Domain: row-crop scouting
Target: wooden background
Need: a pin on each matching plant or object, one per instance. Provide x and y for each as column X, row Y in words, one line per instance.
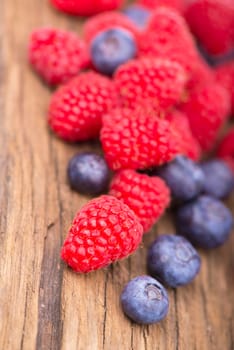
column 43, row 305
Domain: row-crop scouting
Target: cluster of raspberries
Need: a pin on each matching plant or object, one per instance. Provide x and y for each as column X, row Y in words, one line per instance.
column 138, row 81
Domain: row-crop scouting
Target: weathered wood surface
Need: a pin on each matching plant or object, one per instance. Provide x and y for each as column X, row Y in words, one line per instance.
column 43, row 305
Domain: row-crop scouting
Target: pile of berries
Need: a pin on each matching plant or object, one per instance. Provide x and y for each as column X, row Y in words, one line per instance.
column 158, row 99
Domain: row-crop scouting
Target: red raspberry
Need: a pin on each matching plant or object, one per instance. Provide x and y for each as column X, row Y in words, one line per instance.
column 186, row 141
column 105, row 21
column 137, row 140
column 57, row 55
column 76, row 108
column 226, row 148
column 207, row 109
column 212, row 22
column 153, row 4
column 167, row 35
column 159, row 79
column 147, row 196
column 201, row 74
column 225, row 76
column 104, row 231
column 87, row 7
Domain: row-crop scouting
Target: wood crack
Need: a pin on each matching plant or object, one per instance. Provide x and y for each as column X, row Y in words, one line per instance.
column 177, row 322
column 145, row 337
column 105, row 310
column 204, row 303
column 132, row 348
column 49, row 322
column 24, row 322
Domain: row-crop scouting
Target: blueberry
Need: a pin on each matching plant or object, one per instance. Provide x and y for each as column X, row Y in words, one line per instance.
column 145, row 300
column 219, row 180
column 111, row 48
column 88, row 173
column 206, row 222
column 183, row 177
column 173, row 260
column 138, row 14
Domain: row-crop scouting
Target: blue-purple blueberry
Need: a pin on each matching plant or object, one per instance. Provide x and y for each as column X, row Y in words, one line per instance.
column 206, row 222
column 111, row 48
column 138, row 14
column 173, row 260
column 144, row 300
column 184, row 178
column 219, row 179
column 88, row 173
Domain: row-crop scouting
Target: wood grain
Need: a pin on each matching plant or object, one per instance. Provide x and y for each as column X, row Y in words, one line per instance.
column 43, row 305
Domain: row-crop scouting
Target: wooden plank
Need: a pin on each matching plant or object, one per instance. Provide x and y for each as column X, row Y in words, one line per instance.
column 44, row 305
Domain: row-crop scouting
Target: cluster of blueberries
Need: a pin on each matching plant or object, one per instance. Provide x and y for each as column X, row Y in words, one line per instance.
column 200, row 218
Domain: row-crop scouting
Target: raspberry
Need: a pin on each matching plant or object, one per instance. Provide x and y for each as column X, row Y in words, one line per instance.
column 107, row 20
column 226, row 148
column 87, row 7
column 147, row 196
column 152, row 4
column 76, row 108
column 159, row 79
column 167, row 35
column 212, row 22
column 185, row 139
column 137, row 140
column 57, row 55
column 207, row 109
column 201, row 74
column 225, row 76
column 104, row 231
